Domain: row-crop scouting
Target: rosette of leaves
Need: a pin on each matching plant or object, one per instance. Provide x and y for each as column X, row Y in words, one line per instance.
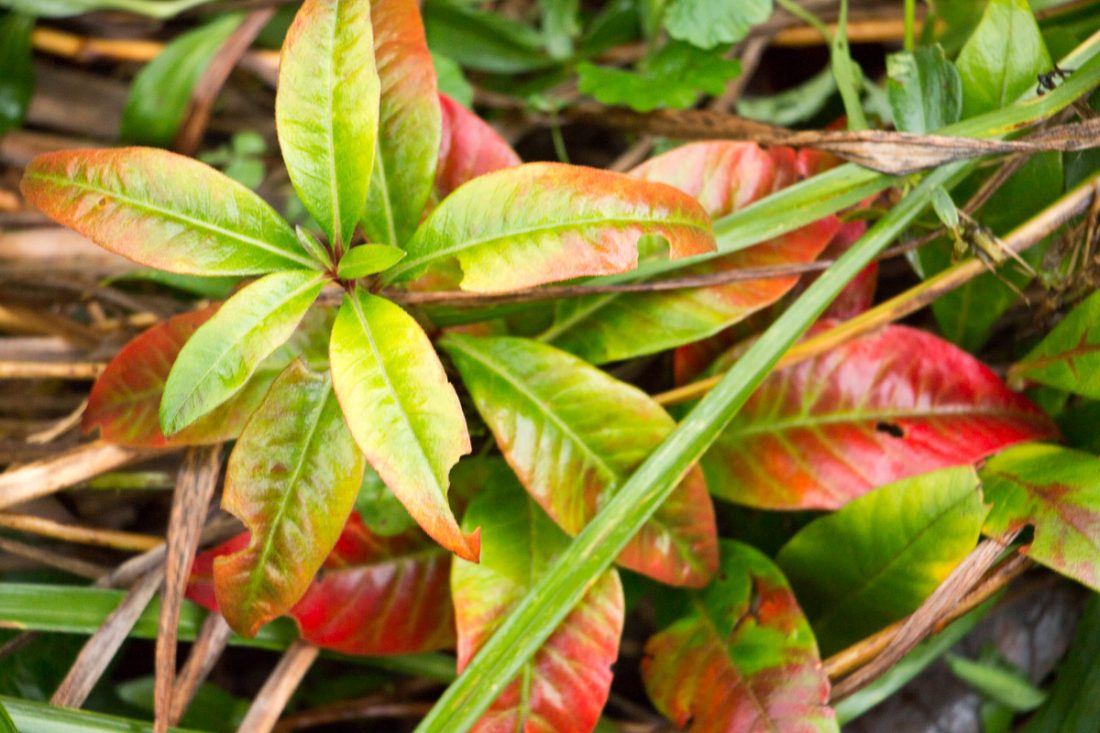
column 312, row 398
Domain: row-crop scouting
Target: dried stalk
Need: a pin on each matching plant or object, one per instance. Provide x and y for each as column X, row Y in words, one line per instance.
column 48, row 476
column 125, row 541
column 269, row 702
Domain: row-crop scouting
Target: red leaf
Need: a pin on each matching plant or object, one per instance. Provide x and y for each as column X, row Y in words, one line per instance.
column 879, row 408
column 469, row 148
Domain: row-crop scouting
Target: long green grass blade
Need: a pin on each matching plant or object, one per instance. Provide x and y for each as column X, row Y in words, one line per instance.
column 40, row 717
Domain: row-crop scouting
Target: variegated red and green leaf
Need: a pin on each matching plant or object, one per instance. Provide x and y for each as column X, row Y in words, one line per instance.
column 125, row 400
column 469, row 147
column 403, row 412
column 1069, row 356
column 326, row 111
column 374, row 595
column 891, row 404
column 563, row 688
column 544, row 222
column 743, row 659
column 574, row 434
column 218, row 360
column 163, row 210
column 1057, row 491
column 409, row 124
column 292, row 480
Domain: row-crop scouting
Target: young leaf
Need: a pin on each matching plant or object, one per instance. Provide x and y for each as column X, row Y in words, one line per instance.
column 326, row 111
column 218, row 360
column 292, row 480
column 159, row 95
column 573, row 434
column 17, row 61
column 925, row 90
column 545, row 222
column 1057, row 491
column 1069, row 356
column 163, row 210
column 404, row 414
column 483, row 40
column 895, row 403
column 367, row 259
column 709, row 23
column 409, row 124
column 469, row 147
column 900, row 542
column 743, row 659
column 1002, row 58
column 375, row 595
column 564, row 687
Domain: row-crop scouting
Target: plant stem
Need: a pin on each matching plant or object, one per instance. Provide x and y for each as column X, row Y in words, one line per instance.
column 125, row 541
column 910, row 24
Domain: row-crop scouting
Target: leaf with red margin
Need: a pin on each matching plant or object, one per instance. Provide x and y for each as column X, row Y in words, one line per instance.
column 1056, row 490
column 543, row 222
column 125, row 400
column 374, row 596
column 891, row 404
column 563, row 688
column 468, row 148
column 292, row 480
column 409, row 124
column 743, row 659
column 724, row 177
column 573, row 435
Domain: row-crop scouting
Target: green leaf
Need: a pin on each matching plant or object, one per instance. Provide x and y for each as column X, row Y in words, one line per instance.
column 163, row 210
column 565, row 685
column 211, row 288
column 1069, row 356
column 17, row 61
column 1005, row 686
column 1002, row 58
column 409, row 124
column 292, row 480
column 560, row 25
column 367, row 259
column 404, row 414
column 1074, row 702
column 743, row 659
column 925, row 90
column 789, row 107
column 1057, row 491
column 673, row 77
column 900, row 542
column 381, row 511
column 572, row 221
column 161, row 91
column 451, row 81
column 483, row 41
column 40, row 717
column 326, row 111
column 573, row 434
column 6, row 723
column 212, row 708
column 218, row 360
column 710, row 23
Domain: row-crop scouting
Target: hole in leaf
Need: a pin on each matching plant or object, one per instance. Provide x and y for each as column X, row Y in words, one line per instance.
column 891, row 429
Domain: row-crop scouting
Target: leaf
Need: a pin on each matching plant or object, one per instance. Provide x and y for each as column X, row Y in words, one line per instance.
column 1069, row 356
column 545, row 222
column 560, row 25
column 326, row 111
column 409, row 124
column 211, row 288
column 794, row 105
column 224, row 352
column 1057, row 491
column 710, row 23
column 573, row 434
column 451, row 81
column 674, row 77
column 743, row 658
column 292, row 480
column 483, row 41
column 368, row 259
column 1002, row 58
column 469, row 147
column 17, row 61
column 159, row 96
column 900, row 542
column 374, row 596
column 564, row 686
column 925, row 90
column 163, row 210
column 895, row 403
column 1006, row 686
column 380, row 510
column 63, row 8
column 1073, row 705
column 723, row 177
column 403, row 412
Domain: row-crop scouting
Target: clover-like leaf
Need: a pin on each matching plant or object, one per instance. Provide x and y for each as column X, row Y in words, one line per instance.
column 1069, row 356
column 709, row 23
column 469, row 147
column 292, row 480
column 574, row 434
column 925, row 90
column 743, row 659
column 564, row 686
column 879, row 408
column 544, row 222
column 326, row 111
column 163, row 210
column 403, row 412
